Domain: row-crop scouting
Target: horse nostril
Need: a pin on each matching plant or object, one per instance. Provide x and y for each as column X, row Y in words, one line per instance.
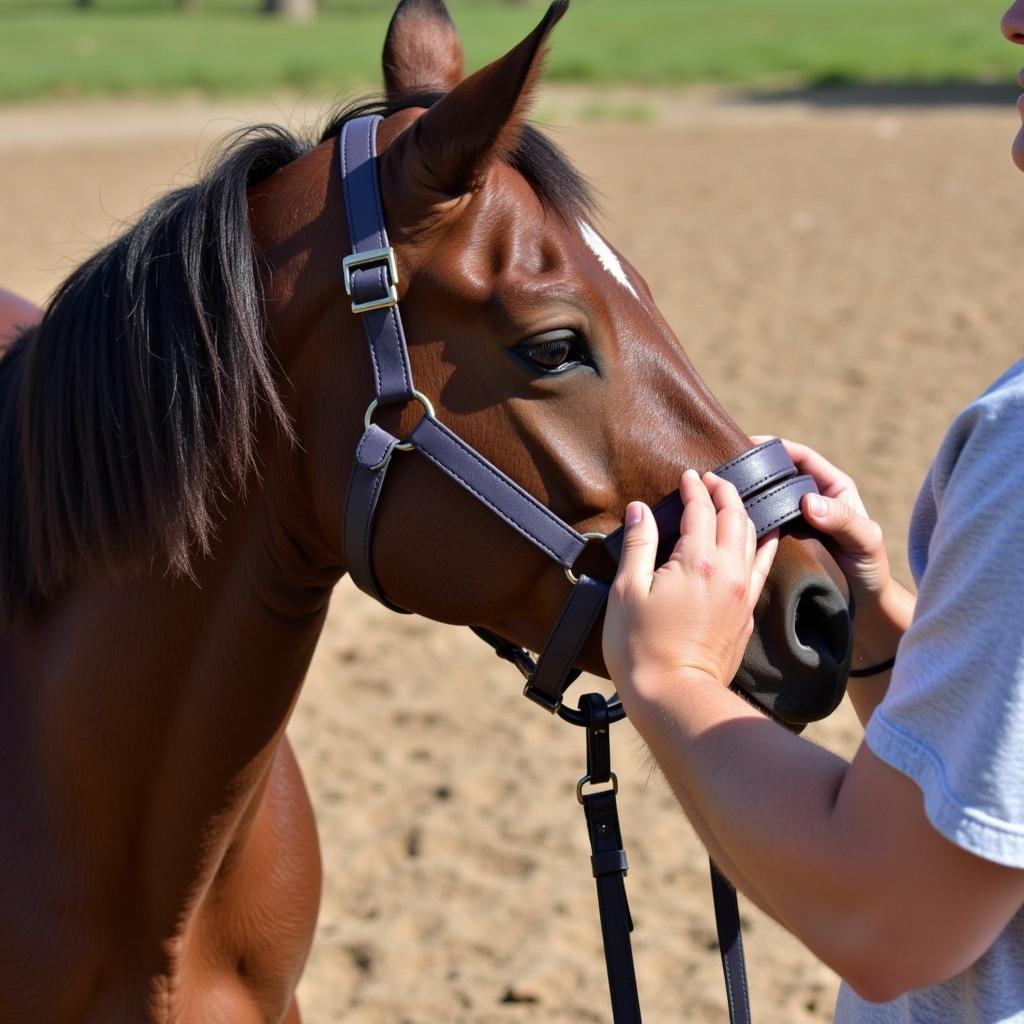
column 796, row 662
column 821, row 625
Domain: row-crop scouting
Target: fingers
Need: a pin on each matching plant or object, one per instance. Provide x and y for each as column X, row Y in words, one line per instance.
column 715, row 531
column 713, row 517
column 854, row 532
column 692, row 616
column 639, row 549
column 733, row 523
column 762, row 565
column 831, row 480
column 698, row 527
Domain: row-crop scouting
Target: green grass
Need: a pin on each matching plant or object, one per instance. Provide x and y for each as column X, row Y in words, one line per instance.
column 601, row 110
column 47, row 47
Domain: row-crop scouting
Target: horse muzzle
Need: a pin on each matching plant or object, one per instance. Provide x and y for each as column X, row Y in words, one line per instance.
column 798, row 658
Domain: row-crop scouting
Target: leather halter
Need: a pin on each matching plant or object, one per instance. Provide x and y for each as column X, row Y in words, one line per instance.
column 765, row 477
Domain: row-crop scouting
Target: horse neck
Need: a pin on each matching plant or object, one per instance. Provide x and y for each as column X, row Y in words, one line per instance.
column 185, row 686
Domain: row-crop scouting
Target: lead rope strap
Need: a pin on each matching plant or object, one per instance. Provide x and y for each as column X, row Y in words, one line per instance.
column 610, row 866
column 608, row 861
column 730, row 946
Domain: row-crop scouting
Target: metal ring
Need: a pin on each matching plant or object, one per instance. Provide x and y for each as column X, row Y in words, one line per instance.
column 588, row 537
column 428, row 409
column 586, row 778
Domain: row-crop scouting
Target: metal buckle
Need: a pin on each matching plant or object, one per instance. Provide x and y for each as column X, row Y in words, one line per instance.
column 612, row 778
column 370, row 258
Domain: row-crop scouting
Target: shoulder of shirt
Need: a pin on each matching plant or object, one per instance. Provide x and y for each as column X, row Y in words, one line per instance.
column 1001, row 403
column 1009, row 388
column 988, row 435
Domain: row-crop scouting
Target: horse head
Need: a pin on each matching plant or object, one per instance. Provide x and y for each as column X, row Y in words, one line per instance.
column 534, row 339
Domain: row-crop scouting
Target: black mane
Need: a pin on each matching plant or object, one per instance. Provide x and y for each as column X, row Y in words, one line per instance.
column 131, row 408
column 132, row 405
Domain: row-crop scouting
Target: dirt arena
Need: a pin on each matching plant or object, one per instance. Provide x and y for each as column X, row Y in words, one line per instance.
column 842, row 273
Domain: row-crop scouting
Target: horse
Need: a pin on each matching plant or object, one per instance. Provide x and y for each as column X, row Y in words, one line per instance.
column 176, row 437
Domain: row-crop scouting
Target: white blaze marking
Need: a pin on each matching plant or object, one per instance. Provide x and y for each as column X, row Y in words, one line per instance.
column 600, row 248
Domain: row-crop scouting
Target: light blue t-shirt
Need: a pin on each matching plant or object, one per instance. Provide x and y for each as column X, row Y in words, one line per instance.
column 953, row 719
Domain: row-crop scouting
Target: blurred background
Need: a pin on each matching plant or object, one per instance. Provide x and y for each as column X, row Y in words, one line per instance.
column 821, row 197
column 82, row 47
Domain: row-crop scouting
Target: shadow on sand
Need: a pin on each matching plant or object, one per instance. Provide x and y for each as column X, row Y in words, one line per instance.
column 894, row 94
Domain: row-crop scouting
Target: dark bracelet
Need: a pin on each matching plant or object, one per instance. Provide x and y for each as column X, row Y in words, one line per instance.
column 874, row 670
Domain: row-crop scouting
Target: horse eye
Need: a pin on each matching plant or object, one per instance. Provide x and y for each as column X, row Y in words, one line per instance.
column 554, row 351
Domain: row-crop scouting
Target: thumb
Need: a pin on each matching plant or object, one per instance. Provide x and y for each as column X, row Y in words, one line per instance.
column 854, row 532
column 639, row 549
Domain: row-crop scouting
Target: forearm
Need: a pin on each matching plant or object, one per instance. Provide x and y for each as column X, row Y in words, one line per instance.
column 878, row 629
column 717, row 852
column 765, row 796
column 842, row 855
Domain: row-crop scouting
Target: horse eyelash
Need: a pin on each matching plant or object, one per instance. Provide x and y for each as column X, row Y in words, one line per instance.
column 552, row 347
column 580, row 343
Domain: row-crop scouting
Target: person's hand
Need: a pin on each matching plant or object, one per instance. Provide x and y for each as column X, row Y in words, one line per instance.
column 839, row 512
column 691, row 618
column 882, row 608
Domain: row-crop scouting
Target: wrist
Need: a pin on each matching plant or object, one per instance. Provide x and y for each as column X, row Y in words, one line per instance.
column 648, row 691
column 879, row 625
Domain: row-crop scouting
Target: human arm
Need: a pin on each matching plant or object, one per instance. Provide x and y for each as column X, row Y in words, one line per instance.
column 883, row 608
column 842, row 855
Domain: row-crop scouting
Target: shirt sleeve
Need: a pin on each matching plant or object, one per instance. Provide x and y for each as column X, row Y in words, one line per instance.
column 953, row 719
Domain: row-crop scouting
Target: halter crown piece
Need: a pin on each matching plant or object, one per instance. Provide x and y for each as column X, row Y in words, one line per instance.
column 765, row 477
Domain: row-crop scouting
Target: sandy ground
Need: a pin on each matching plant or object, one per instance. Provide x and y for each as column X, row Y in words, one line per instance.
column 844, row 275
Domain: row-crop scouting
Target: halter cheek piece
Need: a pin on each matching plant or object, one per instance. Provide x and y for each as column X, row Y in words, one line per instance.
column 765, row 477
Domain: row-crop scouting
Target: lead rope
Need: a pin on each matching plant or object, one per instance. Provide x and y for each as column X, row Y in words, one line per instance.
column 730, row 946
column 610, row 867
column 608, row 861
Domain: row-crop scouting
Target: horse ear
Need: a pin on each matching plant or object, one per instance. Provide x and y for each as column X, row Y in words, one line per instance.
column 480, row 120
column 422, row 51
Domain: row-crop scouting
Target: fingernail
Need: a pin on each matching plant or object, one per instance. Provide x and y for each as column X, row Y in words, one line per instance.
column 634, row 513
column 817, row 506
column 693, row 474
